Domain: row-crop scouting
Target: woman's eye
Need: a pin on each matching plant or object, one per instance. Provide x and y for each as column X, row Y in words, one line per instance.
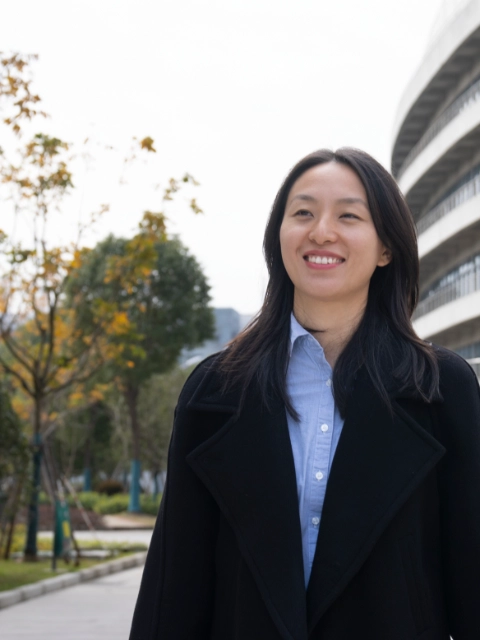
column 302, row 213
column 350, row 215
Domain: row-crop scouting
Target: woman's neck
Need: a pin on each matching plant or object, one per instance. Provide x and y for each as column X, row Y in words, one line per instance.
column 331, row 323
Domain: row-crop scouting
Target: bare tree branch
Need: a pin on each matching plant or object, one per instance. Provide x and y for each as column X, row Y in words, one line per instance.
column 18, row 352
column 51, row 340
column 87, row 348
column 16, row 375
column 73, row 380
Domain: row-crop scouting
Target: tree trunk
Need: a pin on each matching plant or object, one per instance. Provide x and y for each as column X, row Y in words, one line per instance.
column 131, row 397
column 15, row 502
column 32, row 527
column 87, row 467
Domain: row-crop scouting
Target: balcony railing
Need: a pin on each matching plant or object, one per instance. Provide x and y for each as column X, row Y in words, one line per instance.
column 460, row 285
column 467, row 191
column 464, row 100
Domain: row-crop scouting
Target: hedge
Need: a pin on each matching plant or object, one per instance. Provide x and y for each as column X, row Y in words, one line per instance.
column 107, row 505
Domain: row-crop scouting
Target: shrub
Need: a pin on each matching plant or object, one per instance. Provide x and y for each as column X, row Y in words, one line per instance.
column 149, row 504
column 88, row 500
column 112, row 504
column 18, row 539
column 106, row 505
column 43, row 498
column 110, row 487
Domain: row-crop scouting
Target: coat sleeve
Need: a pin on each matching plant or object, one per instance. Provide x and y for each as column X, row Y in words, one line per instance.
column 175, row 601
column 458, row 419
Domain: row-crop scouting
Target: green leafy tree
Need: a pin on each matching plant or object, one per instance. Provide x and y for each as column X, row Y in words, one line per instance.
column 157, row 299
column 13, row 468
column 41, row 350
column 156, row 407
column 12, row 438
column 44, row 349
column 82, row 441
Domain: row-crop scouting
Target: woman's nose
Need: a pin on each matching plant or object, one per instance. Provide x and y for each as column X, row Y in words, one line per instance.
column 323, row 231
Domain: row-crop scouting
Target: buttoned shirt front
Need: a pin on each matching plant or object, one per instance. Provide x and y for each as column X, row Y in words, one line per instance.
column 315, row 436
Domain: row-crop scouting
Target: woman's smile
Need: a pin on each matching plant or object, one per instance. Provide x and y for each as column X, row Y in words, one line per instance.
column 322, row 260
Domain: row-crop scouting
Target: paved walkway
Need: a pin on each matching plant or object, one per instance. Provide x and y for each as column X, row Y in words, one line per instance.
column 101, row 609
column 129, row 535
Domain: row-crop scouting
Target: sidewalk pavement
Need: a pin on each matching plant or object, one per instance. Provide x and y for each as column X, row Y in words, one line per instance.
column 100, row 609
column 129, row 521
column 131, row 536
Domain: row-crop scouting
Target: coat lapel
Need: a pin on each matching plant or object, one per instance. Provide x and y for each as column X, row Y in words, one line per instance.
column 248, row 468
column 380, row 460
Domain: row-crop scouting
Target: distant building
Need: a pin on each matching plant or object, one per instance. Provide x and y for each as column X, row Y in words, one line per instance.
column 436, row 161
column 228, row 324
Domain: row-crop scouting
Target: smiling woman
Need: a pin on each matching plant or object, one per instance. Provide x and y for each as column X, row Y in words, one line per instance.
column 324, row 468
column 330, row 247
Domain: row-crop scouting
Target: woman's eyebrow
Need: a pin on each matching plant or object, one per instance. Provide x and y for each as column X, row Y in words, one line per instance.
column 352, row 201
column 305, row 197
column 347, row 200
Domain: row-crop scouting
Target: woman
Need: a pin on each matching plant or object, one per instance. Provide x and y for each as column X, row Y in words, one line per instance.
column 329, row 383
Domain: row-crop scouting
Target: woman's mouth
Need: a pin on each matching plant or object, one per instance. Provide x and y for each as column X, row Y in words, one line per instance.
column 323, row 260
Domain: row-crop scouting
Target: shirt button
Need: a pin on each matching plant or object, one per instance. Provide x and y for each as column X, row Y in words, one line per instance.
column 329, row 382
column 324, row 427
column 316, row 521
column 319, row 475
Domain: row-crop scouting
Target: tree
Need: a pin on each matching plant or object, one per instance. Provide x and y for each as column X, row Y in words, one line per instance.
column 82, row 441
column 13, row 444
column 157, row 297
column 42, row 350
column 18, row 101
column 13, row 463
column 156, row 406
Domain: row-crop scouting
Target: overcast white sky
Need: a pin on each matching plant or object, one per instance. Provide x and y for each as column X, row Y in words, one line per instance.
column 232, row 91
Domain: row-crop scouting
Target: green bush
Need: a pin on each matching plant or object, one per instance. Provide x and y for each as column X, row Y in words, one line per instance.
column 112, row 504
column 149, row 504
column 88, row 500
column 104, row 504
column 43, row 498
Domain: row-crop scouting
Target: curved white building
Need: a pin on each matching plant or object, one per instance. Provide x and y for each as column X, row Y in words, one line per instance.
column 436, row 161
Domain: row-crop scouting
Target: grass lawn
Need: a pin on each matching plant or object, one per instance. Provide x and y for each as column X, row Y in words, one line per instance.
column 16, row 573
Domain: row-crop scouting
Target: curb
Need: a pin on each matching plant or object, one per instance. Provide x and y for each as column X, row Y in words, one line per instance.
column 42, row 587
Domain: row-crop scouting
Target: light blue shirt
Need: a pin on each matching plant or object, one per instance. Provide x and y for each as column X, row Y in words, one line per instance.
column 315, row 437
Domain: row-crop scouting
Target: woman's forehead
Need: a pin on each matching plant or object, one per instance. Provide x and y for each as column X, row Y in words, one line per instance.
column 328, row 180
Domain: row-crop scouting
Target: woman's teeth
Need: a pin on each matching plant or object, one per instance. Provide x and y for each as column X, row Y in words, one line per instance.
column 323, row 260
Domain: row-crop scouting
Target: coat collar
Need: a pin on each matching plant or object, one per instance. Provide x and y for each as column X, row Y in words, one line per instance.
column 248, row 467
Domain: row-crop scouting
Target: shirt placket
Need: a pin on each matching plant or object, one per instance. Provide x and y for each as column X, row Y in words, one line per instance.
column 320, row 464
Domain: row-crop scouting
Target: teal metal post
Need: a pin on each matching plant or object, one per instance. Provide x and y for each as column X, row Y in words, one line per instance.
column 87, row 479
column 62, row 541
column 134, row 502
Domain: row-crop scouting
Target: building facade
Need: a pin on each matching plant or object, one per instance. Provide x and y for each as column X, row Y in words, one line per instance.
column 436, row 161
column 228, row 323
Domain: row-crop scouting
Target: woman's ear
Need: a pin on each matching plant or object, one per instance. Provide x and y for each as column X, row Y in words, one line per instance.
column 385, row 257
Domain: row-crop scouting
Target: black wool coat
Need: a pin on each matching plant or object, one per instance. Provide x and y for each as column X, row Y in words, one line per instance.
column 398, row 551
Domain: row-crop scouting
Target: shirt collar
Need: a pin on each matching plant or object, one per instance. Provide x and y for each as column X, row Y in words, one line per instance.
column 297, row 331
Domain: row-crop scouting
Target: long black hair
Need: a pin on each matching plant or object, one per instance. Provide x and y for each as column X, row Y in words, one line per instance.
column 384, row 340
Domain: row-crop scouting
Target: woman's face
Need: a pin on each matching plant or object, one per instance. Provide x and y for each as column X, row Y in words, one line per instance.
column 329, row 244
